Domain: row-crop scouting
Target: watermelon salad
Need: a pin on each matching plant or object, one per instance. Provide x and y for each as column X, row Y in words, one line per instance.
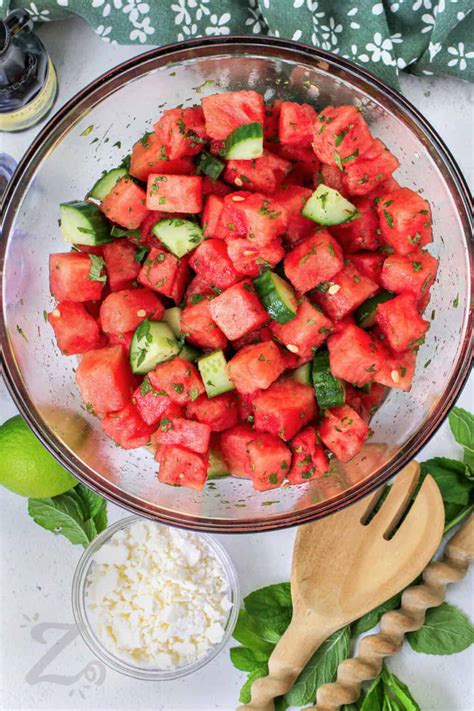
column 243, row 290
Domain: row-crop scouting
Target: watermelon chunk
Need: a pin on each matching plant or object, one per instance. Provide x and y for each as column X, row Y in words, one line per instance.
column 220, row 412
column 181, row 467
column 198, row 324
column 238, row 310
column 124, row 310
column 182, row 131
column 122, row 267
column 296, row 123
column 415, row 273
column 210, row 260
column 76, row 330
column 174, row 193
column 225, row 112
column 165, row 273
column 69, row 278
column 340, row 135
column 105, row 379
column 354, row 289
column 284, row 408
column 316, row 259
column 400, row 322
column 270, row 461
column 343, row 431
column 149, row 155
column 293, row 198
column 187, row 433
column 234, row 443
column 144, row 237
column 125, row 204
column 121, row 339
column 309, row 459
column 214, row 187
column 369, row 264
column 151, row 404
column 397, row 370
column 271, row 122
column 355, row 356
column 249, row 258
column 256, row 366
column 252, row 215
column 211, row 215
column 363, row 175
column 361, row 233
column 331, row 176
column 127, row 428
column 179, row 379
column 405, row 220
column 303, row 334
column 260, row 334
column 264, row 174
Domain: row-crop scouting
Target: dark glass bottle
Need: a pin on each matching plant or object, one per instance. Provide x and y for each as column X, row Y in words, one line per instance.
column 28, row 84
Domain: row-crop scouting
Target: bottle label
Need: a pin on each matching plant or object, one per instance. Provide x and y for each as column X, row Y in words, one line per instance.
column 35, row 110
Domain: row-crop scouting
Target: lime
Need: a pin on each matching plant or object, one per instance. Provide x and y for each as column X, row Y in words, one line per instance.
column 26, row 467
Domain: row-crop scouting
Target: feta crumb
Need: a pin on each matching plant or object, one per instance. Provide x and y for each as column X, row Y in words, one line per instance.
column 157, row 596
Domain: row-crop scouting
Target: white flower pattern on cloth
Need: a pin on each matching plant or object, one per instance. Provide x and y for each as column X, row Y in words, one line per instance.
column 218, row 25
column 459, row 56
column 37, row 14
column 380, row 49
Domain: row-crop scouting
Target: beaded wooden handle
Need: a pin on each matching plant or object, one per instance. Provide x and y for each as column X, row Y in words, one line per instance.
column 416, row 599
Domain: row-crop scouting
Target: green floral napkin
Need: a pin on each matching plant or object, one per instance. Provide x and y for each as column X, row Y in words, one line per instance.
column 421, row 36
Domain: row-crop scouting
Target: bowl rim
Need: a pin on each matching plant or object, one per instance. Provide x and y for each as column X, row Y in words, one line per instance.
column 132, row 503
column 83, row 622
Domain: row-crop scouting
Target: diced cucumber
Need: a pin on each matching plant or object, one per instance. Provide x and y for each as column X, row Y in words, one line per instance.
column 303, row 374
column 210, row 165
column 83, row 223
column 172, row 317
column 327, row 207
column 178, row 235
column 277, row 296
column 365, row 314
column 330, row 391
column 117, row 231
column 213, row 369
column 189, row 353
column 217, row 467
column 105, row 184
column 245, row 142
column 153, row 342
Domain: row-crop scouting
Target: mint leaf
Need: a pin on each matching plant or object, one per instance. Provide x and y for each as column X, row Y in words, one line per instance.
column 453, row 515
column 372, row 618
column 100, row 519
column 321, row 668
column 247, row 659
column 91, row 502
column 462, row 426
column 399, row 690
column 272, row 606
column 97, row 265
column 374, row 696
column 250, row 634
column 61, row 515
column 447, row 630
column 245, row 693
column 450, row 476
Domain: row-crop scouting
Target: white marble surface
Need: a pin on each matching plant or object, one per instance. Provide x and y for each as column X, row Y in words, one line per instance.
column 43, row 662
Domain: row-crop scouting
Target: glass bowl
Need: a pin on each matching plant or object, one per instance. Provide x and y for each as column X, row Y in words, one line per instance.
column 91, row 133
column 85, row 625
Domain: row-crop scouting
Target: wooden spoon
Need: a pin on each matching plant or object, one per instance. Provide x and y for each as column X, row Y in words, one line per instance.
column 344, row 567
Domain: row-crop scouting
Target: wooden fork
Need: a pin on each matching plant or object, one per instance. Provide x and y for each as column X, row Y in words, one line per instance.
column 346, row 565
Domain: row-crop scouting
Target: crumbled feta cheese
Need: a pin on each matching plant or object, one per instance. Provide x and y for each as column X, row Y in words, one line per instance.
column 157, row 596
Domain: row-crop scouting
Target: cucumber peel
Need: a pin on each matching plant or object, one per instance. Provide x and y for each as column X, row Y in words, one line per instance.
column 327, row 206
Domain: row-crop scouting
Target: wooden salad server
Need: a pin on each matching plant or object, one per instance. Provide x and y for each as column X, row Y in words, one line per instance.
column 346, row 565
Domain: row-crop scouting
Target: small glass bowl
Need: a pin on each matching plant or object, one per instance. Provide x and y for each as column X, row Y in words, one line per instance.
column 84, row 624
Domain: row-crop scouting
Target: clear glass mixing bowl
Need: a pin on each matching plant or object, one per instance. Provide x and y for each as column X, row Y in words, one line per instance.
column 91, row 133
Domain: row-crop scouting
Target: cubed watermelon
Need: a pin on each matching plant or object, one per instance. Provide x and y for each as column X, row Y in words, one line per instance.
column 105, row 379
column 296, row 123
column 174, row 193
column 293, row 198
column 270, row 461
column 198, row 324
column 271, row 122
column 121, row 264
column 264, row 174
column 196, row 289
column 69, row 277
column 397, row 370
column 121, row 339
column 363, row 175
column 181, row 467
column 304, row 164
column 347, row 290
column 211, row 215
column 165, row 273
column 144, row 237
column 343, row 431
column 303, row 334
column 405, row 220
column 210, row 260
column 149, row 155
column 238, row 310
column 369, row 264
column 400, row 322
column 225, row 112
column 76, row 330
column 284, row 408
column 249, row 259
column 124, row 310
column 316, row 259
column 151, row 404
column 214, row 187
column 260, row 334
column 256, row 366
column 220, row 412
column 252, row 215
column 361, row 233
column 179, row 379
column 246, row 401
column 340, row 135
column 331, row 176
column 125, row 204
column 415, row 273
column 182, row 131
column 127, row 428
column 234, row 443
column 187, row 433
column 309, row 459
column 355, row 356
